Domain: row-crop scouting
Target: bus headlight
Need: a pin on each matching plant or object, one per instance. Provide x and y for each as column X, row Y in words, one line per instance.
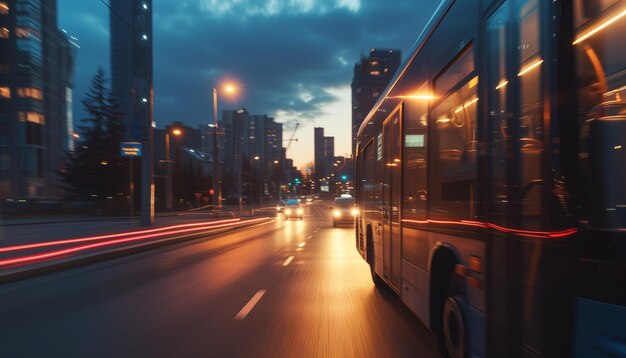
column 299, row 211
column 288, row 212
column 337, row 213
column 355, row 212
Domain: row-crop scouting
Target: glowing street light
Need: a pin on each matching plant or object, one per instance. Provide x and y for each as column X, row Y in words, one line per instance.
column 168, row 168
column 217, row 182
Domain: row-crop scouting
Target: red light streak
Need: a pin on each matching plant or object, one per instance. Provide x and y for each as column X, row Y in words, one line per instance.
column 57, row 253
column 110, row 236
column 527, row 233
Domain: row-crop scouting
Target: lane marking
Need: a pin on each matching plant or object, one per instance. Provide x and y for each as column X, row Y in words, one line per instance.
column 310, row 237
column 250, row 305
column 288, row 261
column 302, row 244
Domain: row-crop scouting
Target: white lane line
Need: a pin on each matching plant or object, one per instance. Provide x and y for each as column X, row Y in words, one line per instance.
column 310, row 237
column 288, row 261
column 302, row 244
column 250, row 305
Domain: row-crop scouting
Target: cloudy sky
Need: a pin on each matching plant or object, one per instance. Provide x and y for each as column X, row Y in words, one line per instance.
column 292, row 59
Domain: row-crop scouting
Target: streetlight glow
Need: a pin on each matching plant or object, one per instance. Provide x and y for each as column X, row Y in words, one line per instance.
column 177, row 131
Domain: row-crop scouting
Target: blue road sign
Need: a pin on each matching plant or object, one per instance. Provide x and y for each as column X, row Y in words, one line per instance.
column 130, row 149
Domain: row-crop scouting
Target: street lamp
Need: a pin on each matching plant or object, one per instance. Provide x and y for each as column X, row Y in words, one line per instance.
column 168, row 168
column 217, row 180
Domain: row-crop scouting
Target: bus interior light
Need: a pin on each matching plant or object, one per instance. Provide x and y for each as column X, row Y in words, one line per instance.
column 530, row 67
column 502, row 84
column 599, row 27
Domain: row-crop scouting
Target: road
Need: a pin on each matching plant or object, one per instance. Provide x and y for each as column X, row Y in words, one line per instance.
column 280, row 289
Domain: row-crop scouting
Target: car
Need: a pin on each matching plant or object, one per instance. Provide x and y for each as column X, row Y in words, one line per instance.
column 309, row 199
column 292, row 209
column 344, row 211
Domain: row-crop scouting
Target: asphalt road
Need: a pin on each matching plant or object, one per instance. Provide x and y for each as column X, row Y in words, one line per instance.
column 280, row 289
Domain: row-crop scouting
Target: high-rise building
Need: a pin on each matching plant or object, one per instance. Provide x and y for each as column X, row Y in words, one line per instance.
column 131, row 84
column 36, row 81
column 131, row 64
column 371, row 76
column 324, row 151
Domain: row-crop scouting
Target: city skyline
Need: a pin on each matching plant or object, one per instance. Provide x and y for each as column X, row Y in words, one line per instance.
column 293, row 76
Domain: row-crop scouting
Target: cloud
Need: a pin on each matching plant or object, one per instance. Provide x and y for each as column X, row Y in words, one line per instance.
column 243, row 9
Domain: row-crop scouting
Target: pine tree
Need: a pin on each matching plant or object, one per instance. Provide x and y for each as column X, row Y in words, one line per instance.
column 96, row 170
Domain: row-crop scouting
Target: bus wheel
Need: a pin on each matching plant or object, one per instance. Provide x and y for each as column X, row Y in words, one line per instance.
column 454, row 329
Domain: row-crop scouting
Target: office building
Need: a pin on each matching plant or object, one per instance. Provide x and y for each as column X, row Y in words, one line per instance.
column 371, row 76
column 36, row 81
column 324, row 152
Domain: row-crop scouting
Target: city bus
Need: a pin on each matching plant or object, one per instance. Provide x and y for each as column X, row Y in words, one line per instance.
column 491, row 179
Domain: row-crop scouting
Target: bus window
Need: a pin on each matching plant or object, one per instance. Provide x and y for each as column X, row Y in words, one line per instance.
column 499, row 112
column 601, row 85
column 452, row 169
column 414, row 194
column 530, row 113
column 368, row 181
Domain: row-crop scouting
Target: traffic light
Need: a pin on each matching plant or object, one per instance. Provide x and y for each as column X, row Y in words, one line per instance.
column 344, row 177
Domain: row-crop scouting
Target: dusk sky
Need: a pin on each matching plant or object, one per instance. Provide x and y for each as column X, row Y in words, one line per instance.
column 292, row 59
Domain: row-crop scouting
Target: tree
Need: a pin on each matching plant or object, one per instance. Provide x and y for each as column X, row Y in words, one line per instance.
column 96, row 170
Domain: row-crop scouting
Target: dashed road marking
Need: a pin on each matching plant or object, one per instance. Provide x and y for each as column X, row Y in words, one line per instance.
column 310, row 237
column 250, row 305
column 302, row 244
column 288, row 261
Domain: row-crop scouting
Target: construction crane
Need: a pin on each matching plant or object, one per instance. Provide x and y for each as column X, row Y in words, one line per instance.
column 291, row 140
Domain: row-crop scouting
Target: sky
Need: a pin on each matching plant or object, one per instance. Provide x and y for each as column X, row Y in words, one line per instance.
column 290, row 59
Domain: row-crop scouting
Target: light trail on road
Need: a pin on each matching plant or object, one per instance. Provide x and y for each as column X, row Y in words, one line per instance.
column 63, row 252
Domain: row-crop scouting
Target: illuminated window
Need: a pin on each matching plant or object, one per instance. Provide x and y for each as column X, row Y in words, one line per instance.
column 374, row 73
column 4, row 33
column 4, row 8
column 374, row 63
column 31, row 117
column 5, row 92
column 29, row 92
column 22, row 32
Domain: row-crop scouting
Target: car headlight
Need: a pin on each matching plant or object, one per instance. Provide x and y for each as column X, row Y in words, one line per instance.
column 299, row 211
column 337, row 213
column 288, row 211
column 278, row 208
column 355, row 212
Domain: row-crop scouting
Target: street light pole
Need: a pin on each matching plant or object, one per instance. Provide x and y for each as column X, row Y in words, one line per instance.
column 217, row 183
column 168, row 174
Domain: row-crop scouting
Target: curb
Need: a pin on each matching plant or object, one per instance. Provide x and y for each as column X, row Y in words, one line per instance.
column 26, row 272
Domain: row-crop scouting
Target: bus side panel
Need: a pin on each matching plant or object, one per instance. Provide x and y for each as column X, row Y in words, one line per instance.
column 466, row 249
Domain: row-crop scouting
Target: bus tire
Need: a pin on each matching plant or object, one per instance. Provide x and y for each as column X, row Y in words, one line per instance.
column 454, row 328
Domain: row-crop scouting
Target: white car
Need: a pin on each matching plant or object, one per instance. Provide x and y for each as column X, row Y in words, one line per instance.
column 292, row 209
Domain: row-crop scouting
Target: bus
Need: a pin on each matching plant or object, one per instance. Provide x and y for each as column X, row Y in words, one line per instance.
column 491, row 179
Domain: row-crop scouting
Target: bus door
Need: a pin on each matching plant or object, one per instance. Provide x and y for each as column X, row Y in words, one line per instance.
column 391, row 200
